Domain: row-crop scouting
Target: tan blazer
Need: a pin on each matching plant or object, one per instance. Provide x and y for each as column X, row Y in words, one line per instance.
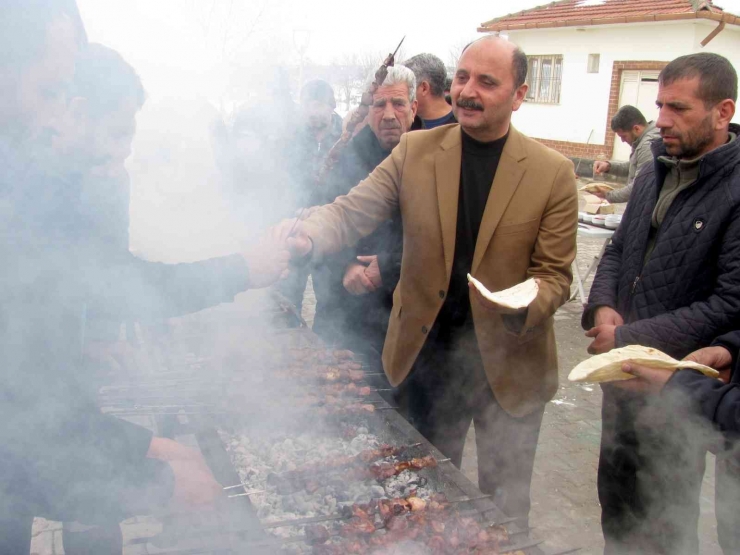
column 528, row 230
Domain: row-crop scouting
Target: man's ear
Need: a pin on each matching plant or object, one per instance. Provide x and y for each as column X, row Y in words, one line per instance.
column 725, row 112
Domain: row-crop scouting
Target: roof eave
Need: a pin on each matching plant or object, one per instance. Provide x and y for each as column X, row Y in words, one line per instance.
column 703, row 14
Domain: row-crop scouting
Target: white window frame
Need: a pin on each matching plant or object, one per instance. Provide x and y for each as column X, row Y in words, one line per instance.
column 545, row 78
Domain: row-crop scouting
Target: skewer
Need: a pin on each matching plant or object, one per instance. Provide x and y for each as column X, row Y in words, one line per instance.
column 243, row 486
column 315, row 519
column 246, row 494
column 332, row 469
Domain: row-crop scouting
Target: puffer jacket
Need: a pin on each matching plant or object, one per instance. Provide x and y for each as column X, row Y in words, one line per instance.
column 687, row 293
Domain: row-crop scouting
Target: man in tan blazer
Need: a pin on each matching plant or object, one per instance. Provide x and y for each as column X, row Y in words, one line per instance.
column 478, row 197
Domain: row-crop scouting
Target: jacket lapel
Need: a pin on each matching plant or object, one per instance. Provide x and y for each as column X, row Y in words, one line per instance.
column 508, row 175
column 447, row 172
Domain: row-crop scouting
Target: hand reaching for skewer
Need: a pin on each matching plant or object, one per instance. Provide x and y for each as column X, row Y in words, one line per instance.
column 195, row 486
column 267, row 261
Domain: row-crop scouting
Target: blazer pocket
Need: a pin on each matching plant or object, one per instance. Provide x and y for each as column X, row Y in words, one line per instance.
column 534, row 332
column 510, row 229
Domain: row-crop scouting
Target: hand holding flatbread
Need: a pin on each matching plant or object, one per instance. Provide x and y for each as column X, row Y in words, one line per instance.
column 607, row 367
column 514, row 299
column 602, row 188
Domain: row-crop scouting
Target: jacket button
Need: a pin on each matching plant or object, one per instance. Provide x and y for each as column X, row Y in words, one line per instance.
column 441, row 294
column 424, row 330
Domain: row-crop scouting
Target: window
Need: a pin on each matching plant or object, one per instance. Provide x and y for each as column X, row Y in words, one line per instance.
column 544, row 77
column 593, row 63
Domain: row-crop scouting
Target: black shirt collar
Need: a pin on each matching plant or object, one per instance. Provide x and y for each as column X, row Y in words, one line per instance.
column 478, row 148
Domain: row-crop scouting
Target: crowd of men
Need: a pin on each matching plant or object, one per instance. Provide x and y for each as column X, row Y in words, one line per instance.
column 425, row 192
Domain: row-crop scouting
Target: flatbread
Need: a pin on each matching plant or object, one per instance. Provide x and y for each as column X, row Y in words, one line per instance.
column 519, row 296
column 597, row 188
column 607, row 367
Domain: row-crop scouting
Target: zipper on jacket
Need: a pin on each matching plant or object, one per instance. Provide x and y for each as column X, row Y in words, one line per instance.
column 634, row 284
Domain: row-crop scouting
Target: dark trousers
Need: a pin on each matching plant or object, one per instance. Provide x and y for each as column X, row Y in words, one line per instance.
column 651, row 466
column 727, row 496
column 449, row 389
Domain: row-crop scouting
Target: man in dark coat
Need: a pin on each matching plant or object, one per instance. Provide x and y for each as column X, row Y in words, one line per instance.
column 61, row 458
column 670, row 280
column 354, row 288
column 431, row 79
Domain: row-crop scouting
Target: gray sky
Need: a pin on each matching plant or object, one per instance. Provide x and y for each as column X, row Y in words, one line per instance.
column 195, row 47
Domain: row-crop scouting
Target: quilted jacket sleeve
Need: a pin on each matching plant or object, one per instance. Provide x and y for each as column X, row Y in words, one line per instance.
column 604, row 288
column 716, row 401
column 698, row 324
column 731, row 342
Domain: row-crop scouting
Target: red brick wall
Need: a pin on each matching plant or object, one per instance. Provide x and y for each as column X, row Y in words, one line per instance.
column 582, row 150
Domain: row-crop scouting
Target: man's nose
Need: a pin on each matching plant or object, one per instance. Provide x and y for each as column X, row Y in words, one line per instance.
column 664, row 121
column 389, row 112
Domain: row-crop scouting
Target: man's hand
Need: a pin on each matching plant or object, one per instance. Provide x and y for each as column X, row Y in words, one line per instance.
column 267, row 261
column 296, row 240
column 195, row 486
column 372, row 271
column 648, row 380
column 601, row 167
column 494, row 307
column 718, row 358
column 604, row 339
column 607, row 315
column 599, row 193
column 355, row 281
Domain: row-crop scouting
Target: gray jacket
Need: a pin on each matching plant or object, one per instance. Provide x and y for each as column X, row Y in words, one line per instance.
column 641, row 154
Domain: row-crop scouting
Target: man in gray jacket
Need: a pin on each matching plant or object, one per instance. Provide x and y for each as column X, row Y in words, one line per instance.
column 632, row 127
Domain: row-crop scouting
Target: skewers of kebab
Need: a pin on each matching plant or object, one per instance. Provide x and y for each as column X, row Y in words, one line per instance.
column 385, row 522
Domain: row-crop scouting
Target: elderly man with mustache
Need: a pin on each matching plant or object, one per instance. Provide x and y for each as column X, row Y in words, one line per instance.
column 354, row 288
column 477, row 197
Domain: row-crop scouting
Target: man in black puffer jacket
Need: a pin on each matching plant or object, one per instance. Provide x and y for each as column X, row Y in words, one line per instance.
column 669, row 280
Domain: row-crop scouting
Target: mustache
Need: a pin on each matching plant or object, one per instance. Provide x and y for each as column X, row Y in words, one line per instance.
column 390, row 125
column 469, row 104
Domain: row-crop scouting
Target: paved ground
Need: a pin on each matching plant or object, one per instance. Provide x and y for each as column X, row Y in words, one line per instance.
column 565, row 508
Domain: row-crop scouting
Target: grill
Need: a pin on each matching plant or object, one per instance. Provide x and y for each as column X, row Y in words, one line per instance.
column 222, row 387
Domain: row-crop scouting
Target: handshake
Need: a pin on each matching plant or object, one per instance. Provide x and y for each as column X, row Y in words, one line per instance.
column 268, row 258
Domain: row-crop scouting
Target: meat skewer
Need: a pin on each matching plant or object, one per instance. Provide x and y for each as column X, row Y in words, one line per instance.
column 359, row 114
column 366, row 456
column 349, row 511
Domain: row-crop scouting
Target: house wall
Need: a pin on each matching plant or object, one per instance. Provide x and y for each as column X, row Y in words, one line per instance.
column 588, row 100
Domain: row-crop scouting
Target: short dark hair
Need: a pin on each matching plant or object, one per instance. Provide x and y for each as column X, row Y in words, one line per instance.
column 319, row 90
column 626, row 118
column 106, row 80
column 520, row 67
column 24, row 25
column 519, row 63
column 429, row 68
column 717, row 77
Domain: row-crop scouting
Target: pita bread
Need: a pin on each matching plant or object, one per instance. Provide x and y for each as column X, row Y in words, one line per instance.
column 519, row 296
column 608, row 366
column 597, row 188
